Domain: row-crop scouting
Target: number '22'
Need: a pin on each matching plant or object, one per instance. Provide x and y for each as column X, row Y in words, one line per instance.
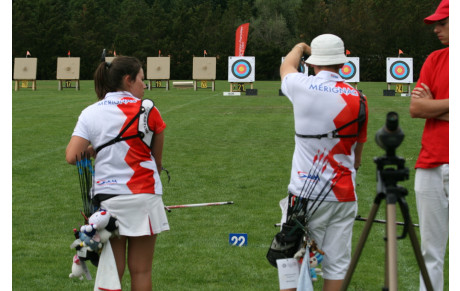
column 238, row 240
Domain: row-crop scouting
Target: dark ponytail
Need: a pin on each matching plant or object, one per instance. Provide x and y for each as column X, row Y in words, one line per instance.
column 108, row 76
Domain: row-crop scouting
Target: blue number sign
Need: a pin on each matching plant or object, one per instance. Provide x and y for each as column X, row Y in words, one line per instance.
column 238, row 239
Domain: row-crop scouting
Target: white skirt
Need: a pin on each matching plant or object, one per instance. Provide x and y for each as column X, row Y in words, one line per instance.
column 138, row 214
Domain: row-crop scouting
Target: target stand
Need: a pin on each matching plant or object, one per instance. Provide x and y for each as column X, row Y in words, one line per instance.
column 204, row 72
column 158, row 71
column 25, row 84
column 204, row 84
column 240, row 87
column 25, row 71
column 400, row 74
column 159, row 84
column 66, row 84
column 68, row 71
column 403, row 89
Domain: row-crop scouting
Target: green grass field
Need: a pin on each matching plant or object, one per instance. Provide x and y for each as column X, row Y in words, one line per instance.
column 217, row 148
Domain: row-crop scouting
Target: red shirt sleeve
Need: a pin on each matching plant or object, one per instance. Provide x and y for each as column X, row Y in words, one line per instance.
column 155, row 122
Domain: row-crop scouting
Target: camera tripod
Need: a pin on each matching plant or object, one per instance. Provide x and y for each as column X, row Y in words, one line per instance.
column 393, row 194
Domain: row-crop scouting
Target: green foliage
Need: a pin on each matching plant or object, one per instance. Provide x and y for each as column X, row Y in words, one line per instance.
column 372, row 30
column 217, row 149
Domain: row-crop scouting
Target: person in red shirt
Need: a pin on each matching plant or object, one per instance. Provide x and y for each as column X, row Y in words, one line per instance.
column 430, row 101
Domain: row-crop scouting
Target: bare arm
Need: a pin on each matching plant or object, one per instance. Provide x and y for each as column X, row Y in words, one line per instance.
column 423, row 105
column 291, row 62
column 76, row 147
column 358, row 154
column 157, row 149
column 444, row 117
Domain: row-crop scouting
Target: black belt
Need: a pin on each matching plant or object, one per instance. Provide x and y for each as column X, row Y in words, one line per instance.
column 97, row 199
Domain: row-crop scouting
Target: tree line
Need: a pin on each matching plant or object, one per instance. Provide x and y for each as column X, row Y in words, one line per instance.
column 371, row 29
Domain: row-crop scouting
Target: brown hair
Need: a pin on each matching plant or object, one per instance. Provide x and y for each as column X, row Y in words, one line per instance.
column 108, row 76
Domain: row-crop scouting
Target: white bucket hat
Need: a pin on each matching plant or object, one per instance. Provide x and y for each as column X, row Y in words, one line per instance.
column 327, row 49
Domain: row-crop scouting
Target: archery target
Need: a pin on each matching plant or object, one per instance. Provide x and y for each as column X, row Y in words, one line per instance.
column 303, row 67
column 109, row 59
column 350, row 70
column 158, row 68
column 204, row 68
column 241, row 69
column 399, row 70
column 68, row 69
column 25, row 69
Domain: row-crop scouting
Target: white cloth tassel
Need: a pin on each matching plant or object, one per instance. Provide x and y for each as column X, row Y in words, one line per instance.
column 305, row 283
column 107, row 273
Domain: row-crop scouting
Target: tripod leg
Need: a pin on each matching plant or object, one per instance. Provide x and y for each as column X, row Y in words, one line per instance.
column 361, row 242
column 415, row 244
column 392, row 247
column 419, row 257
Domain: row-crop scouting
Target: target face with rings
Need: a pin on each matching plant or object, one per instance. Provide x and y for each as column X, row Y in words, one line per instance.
column 399, row 70
column 241, row 69
column 350, row 70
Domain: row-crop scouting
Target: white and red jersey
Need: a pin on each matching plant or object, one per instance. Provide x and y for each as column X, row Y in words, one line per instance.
column 321, row 104
column 125, row 167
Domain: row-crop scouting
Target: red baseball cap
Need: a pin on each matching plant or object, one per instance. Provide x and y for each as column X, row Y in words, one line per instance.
column 441, row 12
